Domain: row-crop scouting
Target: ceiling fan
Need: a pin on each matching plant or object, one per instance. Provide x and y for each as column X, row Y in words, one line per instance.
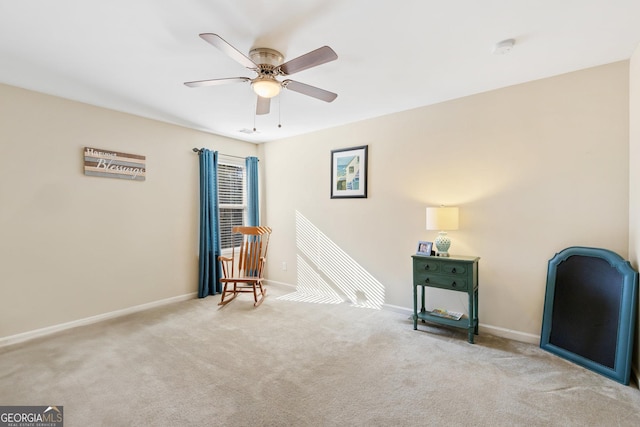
column 267, row 63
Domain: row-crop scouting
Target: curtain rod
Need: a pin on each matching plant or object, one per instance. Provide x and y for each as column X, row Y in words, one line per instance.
column 199, row 150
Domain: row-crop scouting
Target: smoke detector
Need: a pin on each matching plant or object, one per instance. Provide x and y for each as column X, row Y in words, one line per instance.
column 503, row 47
column 249, row 131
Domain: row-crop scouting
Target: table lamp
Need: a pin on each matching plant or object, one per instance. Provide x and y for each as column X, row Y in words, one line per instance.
column 441, row 219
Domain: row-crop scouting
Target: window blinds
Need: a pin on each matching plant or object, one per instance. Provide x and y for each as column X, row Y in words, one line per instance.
column 232, row 198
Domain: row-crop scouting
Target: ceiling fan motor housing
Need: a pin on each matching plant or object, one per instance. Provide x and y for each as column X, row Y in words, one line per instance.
column 266, row 56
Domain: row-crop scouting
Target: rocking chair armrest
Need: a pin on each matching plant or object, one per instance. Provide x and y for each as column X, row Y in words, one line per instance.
column 224, row 259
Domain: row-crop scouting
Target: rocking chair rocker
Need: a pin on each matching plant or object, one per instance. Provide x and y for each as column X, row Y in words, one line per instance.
column 244, row 270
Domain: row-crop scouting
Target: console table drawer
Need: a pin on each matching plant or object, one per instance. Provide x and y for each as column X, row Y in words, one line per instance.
column 456, row 269
column 427, row 266
column 441, row 281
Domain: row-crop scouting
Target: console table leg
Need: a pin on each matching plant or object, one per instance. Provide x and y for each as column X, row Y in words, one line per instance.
column 415, row 307
column 476, row 312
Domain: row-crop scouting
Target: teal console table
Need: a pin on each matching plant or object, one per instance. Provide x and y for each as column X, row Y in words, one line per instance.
column 456, row 273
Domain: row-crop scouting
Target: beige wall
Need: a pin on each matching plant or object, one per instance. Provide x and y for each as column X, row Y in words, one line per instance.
column 534, row 168
column 634, row 182
column 74, row 246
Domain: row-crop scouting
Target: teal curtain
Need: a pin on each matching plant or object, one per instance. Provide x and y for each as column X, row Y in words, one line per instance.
column 253, row 206
column 209, row 266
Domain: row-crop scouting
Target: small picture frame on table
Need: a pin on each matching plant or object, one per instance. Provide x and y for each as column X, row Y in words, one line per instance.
column 424, row 248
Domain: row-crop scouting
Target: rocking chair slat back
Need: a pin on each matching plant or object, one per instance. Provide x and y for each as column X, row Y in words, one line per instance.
column 253, row 250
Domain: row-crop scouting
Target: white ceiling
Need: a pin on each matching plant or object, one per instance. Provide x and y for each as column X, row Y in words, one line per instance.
column 134, row 55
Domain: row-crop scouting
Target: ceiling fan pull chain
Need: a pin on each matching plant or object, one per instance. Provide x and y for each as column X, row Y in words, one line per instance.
column 279, row 111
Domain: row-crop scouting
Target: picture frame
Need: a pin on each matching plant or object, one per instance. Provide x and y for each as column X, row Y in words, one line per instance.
column 349, row 172
column 424, row 248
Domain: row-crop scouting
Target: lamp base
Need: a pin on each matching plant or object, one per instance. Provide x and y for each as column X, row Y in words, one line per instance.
column 443, row 242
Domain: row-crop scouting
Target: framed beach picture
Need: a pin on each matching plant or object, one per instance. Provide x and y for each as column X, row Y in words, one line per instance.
column 349, row 173
column 424, row 248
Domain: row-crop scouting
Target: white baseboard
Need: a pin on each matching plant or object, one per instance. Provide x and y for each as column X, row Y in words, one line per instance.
column 26, row 336
column 398, row 309
column 483, row 328
column 510, row 334
column 274, row 282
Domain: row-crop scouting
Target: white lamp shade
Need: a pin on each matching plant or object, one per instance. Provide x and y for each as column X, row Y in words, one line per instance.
column 266, row 87
column 442, row 218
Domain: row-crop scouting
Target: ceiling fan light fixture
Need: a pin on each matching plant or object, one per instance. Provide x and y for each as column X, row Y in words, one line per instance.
column 266, row 87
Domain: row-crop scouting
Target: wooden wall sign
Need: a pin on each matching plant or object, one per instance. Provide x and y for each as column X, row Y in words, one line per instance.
column 112, row 164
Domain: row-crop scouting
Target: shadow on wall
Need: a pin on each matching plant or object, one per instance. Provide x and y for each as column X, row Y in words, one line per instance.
column 327, row 275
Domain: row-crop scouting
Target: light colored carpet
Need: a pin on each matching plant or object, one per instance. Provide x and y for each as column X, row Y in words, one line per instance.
column 290, row 363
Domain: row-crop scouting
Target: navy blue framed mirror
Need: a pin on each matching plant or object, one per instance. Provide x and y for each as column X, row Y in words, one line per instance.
column 590, row 310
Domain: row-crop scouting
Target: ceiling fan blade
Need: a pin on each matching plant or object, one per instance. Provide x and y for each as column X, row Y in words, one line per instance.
column 312, row 59
column 263, row 106
column 215, row 82
column 229, row 50
column 321, row 94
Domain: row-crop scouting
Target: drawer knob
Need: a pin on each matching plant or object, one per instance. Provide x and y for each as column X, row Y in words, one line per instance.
column 454, row 284
column 426, row 267
column 454, row 270
column 426, row 280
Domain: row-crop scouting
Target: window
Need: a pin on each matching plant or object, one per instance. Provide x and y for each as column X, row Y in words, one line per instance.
column 233, row 200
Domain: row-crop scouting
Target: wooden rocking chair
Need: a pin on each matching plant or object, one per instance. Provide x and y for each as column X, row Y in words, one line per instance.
column 246, row 267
